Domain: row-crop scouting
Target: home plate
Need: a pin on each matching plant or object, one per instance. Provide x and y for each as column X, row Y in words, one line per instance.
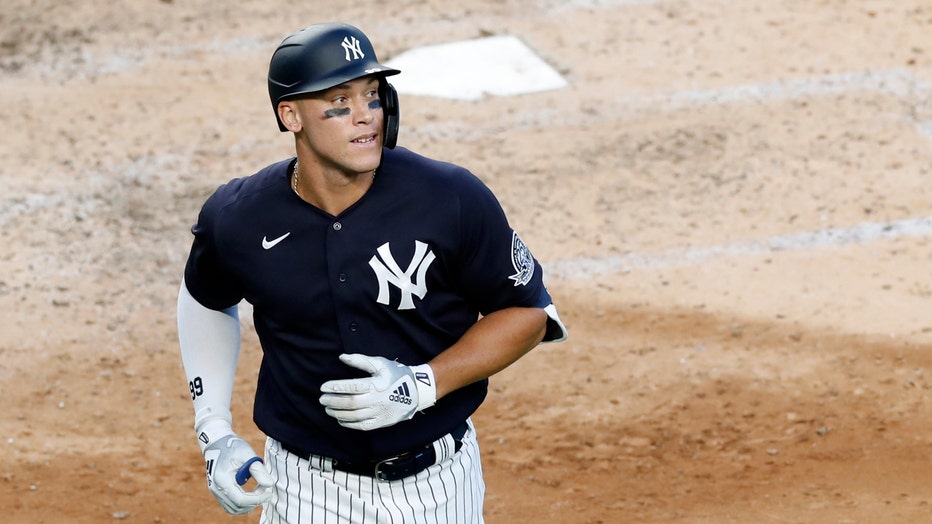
column 468, row 70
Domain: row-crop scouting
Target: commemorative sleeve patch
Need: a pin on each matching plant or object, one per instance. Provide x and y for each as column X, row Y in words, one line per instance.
column 522, row 261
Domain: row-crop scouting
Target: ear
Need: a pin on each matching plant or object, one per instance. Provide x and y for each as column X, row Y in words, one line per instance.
column 288, row 114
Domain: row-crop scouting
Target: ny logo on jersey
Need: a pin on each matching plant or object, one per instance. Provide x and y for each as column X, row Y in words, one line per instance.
column 351, row 45
column 389, row 272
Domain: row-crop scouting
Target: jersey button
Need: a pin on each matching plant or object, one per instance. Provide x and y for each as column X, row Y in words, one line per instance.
column 354, row 327
column 342, row 277
column 337, row 226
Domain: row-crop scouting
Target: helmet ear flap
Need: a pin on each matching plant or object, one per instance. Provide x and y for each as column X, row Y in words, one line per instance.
column 388, row 97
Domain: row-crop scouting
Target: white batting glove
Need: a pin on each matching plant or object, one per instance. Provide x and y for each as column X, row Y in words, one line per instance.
column 230, row 462
column 393, row 393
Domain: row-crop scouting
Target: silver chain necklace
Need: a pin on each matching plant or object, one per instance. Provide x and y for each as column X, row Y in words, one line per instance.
column 294, row 178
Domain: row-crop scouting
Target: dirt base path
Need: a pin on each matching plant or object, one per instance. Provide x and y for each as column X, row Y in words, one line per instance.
column 730, row 199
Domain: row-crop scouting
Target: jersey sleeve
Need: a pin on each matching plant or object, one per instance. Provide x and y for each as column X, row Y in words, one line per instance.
column 208, row 279
column 497, row 269
column 556, row 329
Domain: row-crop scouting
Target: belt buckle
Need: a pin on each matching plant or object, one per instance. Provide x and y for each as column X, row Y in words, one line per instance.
column 381, row 475
column 409, row 463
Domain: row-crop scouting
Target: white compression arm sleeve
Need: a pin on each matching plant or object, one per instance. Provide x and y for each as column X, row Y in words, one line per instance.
column 210, row 346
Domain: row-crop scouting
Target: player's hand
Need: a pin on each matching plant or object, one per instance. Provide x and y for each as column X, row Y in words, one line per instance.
column 230, row 463
column 393, row 393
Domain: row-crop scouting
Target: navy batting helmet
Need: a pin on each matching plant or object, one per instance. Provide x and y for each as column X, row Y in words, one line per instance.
column 325, row 55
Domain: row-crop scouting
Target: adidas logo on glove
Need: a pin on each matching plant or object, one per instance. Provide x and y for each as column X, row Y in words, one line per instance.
column 401, row 395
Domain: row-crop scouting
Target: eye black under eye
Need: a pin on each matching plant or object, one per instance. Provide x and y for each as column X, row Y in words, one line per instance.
column 340, row 111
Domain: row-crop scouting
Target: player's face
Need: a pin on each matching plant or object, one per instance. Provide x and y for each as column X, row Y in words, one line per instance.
column 343, row 126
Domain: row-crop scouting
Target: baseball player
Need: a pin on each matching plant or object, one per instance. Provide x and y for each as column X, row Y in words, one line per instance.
column 386, row 288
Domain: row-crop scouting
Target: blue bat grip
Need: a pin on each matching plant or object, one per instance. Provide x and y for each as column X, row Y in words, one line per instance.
column 243, row 474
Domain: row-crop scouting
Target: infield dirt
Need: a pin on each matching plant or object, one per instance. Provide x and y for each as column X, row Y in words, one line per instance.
column 712, row 374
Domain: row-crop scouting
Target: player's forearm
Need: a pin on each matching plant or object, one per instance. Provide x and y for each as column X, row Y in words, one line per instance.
column 210, row 346
column 495, row 342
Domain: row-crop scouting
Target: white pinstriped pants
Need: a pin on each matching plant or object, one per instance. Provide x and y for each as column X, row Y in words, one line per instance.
column 310, row 492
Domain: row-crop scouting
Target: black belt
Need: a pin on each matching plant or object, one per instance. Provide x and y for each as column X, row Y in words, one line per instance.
column 393, row 468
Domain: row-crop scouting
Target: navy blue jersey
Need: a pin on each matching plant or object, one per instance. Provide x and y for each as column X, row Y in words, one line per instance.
column 401, row 274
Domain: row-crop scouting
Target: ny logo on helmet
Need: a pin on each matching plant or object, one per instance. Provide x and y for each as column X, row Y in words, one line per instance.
column 387, row 271
column 351, row 45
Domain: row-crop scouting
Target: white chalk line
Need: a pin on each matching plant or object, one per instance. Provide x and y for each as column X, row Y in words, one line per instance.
column 898, row 83
column 588, row 267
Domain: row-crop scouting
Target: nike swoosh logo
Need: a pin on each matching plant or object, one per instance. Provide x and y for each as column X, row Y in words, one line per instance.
column 269, row 244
